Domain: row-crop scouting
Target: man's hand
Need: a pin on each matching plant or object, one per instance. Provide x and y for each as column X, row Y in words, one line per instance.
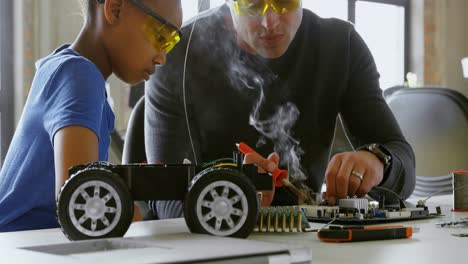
column 344, row 173
column 264, row 165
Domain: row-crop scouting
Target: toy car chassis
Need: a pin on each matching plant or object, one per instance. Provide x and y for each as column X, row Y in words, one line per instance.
column 97, row 199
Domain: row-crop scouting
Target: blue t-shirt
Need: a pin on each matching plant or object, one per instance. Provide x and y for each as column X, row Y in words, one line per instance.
column 68, row 90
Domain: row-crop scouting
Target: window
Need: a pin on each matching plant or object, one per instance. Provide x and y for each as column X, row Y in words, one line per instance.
column 391, row 16
column 328, row 8
column 6, row 77
column 215, row 3
column 190, row 9
column 388, row 48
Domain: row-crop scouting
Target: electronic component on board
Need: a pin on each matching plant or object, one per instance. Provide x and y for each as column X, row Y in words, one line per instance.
column 357, row 211
column 282, row 219
column 354, row 203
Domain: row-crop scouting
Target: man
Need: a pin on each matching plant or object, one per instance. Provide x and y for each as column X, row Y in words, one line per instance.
column 276, row 76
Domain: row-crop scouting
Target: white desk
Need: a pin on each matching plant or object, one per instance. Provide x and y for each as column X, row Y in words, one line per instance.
column 431, row 245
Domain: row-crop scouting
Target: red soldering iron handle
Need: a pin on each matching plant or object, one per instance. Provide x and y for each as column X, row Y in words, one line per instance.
column 278, row 177
column 278, row 174
column 244, row 148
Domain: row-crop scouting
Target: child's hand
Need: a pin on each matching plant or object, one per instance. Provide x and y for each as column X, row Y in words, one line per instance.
column 264, row 165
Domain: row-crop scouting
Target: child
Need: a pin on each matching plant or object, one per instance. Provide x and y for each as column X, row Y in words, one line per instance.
column 66, row 120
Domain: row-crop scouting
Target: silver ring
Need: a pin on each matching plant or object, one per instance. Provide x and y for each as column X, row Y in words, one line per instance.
column 357, row 174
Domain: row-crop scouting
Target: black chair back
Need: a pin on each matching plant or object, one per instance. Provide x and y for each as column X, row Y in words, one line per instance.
column 134, row 144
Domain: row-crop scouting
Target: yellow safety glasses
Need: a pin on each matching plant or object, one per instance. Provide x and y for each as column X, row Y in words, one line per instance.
column 260, row 7
column 162, row 35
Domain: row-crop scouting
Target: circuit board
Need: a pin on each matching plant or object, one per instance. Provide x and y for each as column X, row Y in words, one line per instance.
column 362, row 212
column 353, row 211
column 371, row 221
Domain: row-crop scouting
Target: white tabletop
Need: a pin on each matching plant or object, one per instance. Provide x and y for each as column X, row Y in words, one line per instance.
column 432, row 244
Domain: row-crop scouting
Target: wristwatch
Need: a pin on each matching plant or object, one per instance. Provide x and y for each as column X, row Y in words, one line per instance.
column 380, row 153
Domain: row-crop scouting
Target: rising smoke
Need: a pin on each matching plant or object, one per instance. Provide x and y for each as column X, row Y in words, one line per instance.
column 276, row 127
column 247, row 74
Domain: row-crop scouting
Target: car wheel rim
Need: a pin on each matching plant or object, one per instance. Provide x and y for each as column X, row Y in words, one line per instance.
column 222, row 208
column 95, row 208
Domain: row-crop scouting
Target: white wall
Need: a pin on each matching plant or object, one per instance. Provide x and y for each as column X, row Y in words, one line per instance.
column 445, row 39
column 456, row 44
column 465, row 54
column 451, row 43
column 417, row 38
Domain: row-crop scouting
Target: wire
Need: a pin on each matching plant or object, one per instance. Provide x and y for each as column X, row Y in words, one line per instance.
column 423, row 201
column 225, row 165
column 399, row 197
column 224, row 160
column 184, row 90
column 329, row 223
column 445, row 190
column 323, row 227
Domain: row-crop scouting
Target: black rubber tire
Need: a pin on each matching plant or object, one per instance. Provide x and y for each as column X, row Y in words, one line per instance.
column 111, row 183
column 237, row 186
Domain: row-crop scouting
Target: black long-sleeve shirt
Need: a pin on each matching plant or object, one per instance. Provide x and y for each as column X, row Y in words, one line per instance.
column 327, row 70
